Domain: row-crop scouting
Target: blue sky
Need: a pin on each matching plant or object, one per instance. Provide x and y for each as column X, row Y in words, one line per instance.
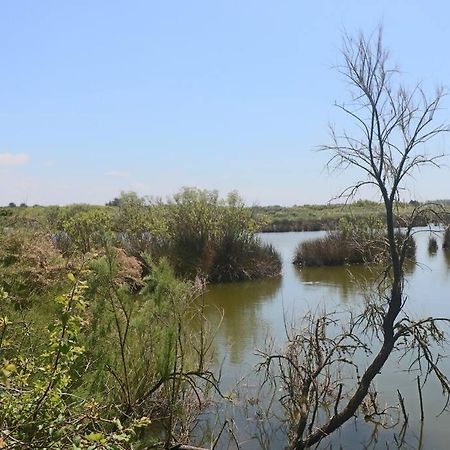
column 102, row 96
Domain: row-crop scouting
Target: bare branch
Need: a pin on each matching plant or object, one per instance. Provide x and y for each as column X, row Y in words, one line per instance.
column 392, row 123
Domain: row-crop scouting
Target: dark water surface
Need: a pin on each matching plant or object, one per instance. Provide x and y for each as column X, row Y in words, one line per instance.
column 251, row 314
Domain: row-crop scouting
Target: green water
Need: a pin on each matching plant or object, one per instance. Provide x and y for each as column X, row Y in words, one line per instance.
column 249, row 315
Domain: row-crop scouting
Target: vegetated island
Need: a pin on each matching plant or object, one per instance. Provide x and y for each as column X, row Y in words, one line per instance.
column 355, row 241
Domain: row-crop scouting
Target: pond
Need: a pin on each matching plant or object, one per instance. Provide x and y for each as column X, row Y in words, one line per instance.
column 249, row 315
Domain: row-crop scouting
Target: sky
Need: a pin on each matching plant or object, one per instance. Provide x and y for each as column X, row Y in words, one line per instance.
column 103, row 96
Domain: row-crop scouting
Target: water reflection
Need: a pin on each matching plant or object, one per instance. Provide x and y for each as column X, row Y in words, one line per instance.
column 241, row 304
column 254, row 309
column 432, row 250
column 447, row 257
column 349, row 280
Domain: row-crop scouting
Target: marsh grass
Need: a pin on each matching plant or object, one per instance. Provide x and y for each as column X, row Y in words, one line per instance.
column 331, row 250
column 236, row 261
column 337, row 249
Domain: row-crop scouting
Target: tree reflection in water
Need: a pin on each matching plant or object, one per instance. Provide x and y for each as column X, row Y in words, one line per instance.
column 240, row 304
column 349, row 280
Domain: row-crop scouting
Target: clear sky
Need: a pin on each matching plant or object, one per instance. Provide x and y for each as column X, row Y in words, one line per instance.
column 99, row 96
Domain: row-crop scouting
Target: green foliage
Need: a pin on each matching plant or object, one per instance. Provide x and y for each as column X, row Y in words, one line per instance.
column 200, row 234
column 129, row 341
column 141, row 225
column 215, row 239
column 142, row 344
column 194, row 228
column 37, row 409
column 361, row 228
column 78, row 228
column 4, row 212
column 327, row 217
column 161, row 283
column 86, row 229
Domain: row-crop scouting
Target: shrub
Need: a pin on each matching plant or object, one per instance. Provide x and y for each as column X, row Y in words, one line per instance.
column 29, row 262
column 140, row 226
column 200, row 234
column 78, row 228
column 149, row 359
column 332, row 250
column 87, row 228
column 38, row 408
column 215, row 239
column 244, row 260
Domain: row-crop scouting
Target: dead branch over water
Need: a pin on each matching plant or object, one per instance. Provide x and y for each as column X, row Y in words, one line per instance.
column 391, row 124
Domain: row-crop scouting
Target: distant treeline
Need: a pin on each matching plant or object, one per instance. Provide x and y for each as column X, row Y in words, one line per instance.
column 274, row 218
column 327, row 217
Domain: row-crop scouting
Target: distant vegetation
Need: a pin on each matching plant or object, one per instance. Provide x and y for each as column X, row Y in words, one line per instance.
column 327, row 217
column 275, row 218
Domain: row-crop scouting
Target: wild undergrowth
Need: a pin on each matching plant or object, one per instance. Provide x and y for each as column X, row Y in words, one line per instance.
column 103, row 342
column 115, row 362
column 200, row 234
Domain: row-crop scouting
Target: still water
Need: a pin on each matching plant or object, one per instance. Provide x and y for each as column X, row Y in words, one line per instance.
column 249, row 315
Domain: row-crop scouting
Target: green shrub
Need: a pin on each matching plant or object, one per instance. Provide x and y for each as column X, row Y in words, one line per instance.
column 143, row 345
column 78, row 228
column 86, row 229
column 108, row 359
column 200, row 234
column 215, row 239
column 38, row 408
column 140, row 226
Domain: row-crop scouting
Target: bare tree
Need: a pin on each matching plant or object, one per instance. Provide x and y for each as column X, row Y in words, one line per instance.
column 392, row 123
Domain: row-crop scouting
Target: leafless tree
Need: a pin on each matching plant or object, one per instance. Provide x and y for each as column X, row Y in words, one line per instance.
column 391, row 124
